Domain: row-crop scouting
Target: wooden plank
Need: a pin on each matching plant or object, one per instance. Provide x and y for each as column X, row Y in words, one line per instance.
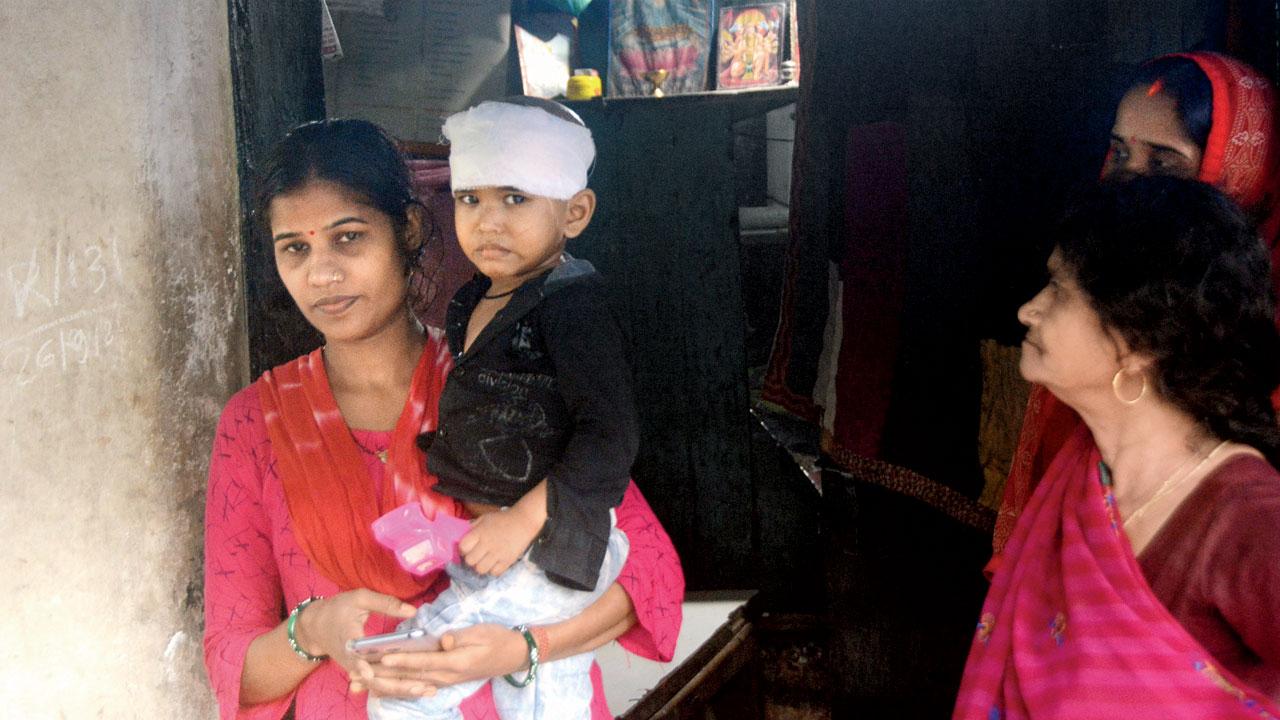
column 743, row 103
column 698, row 678
column 665, row 238
column 707, row 682
column 277, row 83
column 425, row 149
column 904, row 588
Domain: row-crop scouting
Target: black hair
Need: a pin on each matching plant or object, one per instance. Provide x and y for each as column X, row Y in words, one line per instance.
column 1174, row 267
column 1182, row 79
column 354, row 154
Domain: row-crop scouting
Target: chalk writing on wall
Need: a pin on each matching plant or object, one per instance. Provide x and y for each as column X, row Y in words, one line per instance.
column 64, row 310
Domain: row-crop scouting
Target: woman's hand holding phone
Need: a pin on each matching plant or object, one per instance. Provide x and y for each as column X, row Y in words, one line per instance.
column 373, row 647
column 326, row 625
column 478, row 652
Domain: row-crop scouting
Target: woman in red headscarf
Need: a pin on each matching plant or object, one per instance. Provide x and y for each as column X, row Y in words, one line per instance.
column 1195, row 115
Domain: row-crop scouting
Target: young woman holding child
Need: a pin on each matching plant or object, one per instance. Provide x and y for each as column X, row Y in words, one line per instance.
column 307, row 457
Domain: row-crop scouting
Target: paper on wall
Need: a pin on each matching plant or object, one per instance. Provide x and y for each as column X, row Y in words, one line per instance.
column 434, row 59
column 330, row 46
column 544, row 43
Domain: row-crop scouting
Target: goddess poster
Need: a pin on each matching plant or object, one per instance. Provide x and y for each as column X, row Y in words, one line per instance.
column 750, row 45
column 648, row 36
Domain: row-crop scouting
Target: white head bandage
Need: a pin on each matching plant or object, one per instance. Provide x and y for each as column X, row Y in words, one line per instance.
column 496, row 144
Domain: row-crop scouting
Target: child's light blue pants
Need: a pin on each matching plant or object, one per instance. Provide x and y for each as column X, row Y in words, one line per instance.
column 521, row 595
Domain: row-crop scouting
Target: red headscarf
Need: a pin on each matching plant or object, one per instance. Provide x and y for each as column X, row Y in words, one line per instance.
column 1241, row 158
column 332, row 501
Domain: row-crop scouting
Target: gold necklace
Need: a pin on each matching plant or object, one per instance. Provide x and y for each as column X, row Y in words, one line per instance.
column 1172, row 483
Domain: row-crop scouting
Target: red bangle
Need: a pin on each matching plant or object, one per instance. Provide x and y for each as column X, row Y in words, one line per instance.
column 544, row 642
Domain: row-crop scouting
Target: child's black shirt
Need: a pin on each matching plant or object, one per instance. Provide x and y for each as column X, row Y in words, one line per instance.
column 544, row 391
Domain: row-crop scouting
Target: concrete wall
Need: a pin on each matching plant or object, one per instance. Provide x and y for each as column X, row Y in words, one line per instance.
column 121, row 335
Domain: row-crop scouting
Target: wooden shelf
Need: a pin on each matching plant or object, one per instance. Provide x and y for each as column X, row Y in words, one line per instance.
column 745, row 103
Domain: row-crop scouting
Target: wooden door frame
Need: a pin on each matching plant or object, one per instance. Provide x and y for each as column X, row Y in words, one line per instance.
column 277, row 83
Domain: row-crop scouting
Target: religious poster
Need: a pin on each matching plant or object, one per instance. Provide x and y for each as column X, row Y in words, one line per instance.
column 412, row 64
column 750, row 45
column 659, row 46
column 544, row 44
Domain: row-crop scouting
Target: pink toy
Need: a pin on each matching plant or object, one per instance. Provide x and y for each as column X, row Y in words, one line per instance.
column 420, row 545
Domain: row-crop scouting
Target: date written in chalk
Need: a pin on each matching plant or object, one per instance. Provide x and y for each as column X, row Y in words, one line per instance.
column 58, row 349
column 41, row 284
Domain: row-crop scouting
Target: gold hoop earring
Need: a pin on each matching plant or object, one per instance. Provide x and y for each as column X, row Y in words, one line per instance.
column 1115, row 388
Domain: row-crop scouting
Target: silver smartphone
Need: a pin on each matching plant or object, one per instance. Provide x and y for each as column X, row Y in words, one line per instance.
column 373, row 647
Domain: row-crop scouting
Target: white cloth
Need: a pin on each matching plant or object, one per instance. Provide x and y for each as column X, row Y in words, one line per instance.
column 561, row 690
column 497, row 144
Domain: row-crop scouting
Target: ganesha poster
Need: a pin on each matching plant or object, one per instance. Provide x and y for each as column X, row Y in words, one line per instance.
column 750, row 45
column 668, row 43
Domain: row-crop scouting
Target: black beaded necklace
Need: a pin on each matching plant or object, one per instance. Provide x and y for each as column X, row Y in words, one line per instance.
column 499, row 295
column 380, row 454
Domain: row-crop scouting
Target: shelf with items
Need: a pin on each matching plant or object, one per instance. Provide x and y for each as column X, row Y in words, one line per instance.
column 744, row 103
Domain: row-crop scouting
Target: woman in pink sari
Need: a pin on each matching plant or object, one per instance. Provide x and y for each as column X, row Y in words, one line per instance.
column 1143, row 578
column 1195, row 115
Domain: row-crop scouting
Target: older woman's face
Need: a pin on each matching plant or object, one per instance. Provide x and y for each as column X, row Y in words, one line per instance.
column 1066, row 348
column 1148, row 138
column 339, row 260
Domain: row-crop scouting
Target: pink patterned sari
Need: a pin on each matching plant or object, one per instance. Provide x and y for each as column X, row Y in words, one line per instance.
column 1070, row 628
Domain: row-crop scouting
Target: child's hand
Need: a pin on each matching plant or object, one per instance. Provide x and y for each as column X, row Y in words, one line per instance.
column 497, row 540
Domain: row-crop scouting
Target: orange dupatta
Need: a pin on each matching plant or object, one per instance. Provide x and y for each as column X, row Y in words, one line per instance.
column 331, row 497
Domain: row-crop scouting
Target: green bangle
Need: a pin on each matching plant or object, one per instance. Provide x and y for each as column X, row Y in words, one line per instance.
column 291, row 628
column 533, row 658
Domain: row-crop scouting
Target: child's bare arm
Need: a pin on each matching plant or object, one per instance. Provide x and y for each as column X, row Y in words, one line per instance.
column 498, row 539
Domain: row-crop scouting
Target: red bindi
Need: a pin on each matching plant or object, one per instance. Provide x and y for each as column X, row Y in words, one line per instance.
column 311, row 232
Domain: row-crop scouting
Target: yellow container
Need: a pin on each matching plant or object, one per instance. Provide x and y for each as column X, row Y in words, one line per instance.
column 583, row 87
